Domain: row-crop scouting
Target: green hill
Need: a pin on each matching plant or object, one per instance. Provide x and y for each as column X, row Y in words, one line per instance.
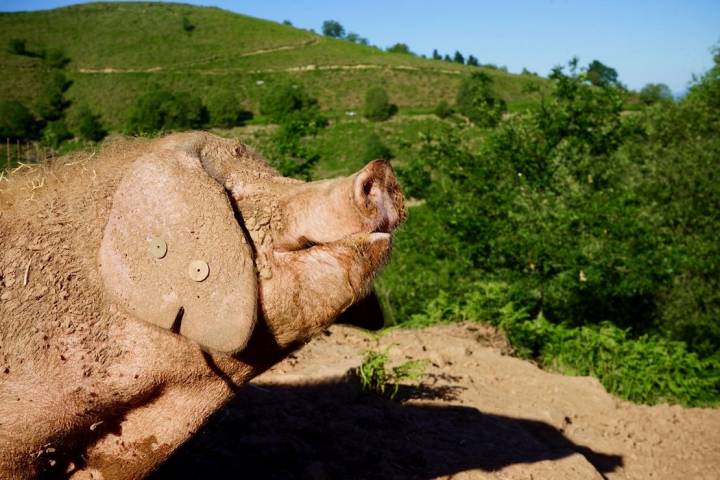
column 119, row 50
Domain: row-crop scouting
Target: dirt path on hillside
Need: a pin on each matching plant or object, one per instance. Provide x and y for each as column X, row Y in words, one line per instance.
column 479, row 414
column 213, row 58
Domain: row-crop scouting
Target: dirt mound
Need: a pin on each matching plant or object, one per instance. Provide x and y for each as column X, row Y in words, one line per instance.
column 479, row 414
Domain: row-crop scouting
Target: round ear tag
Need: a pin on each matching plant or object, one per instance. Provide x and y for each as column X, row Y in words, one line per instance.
column 198, row 270
column 157, row 247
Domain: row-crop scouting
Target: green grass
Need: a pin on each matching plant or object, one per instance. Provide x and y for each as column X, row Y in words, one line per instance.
column 119, row 50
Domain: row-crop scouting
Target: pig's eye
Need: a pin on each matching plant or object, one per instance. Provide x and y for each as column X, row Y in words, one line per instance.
column 304, row 243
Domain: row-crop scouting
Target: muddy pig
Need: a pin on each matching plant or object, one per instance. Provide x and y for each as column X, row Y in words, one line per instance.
column 140, row 287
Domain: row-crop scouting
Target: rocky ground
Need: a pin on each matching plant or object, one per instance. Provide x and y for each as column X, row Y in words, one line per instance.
column 478, row 414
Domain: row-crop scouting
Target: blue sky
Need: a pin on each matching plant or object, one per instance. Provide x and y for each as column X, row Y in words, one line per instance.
column 645, row 41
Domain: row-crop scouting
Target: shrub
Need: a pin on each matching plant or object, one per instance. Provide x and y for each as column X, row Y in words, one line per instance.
column 87, row 125
column 16, row 121
column 225, row 110
column 283, row 99
column 477, row 101
column 17, row 46
column 55, row 58
column 375, row 149
column 443, row 109
column 55, row 133
column 377, row 105
column 187, row 25
column 289, row 152
column 165, row 110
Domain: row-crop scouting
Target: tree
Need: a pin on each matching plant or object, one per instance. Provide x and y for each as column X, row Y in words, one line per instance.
column 447, row 58
column 436, row 55
column 601, row 75
column 88, row 125
column 377, row 105
column 477, row 101
column 472, row 61
column 355, row 38
column 655, row 93
column 165, row 110
column 16, row 121
column 399, row 48
column 458, row 58
column 50, row 102
column 282, row 99
column 332, row 28
column 288, row 23
column 225, row 111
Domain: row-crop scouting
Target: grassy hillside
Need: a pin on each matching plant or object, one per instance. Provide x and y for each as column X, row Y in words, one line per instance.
column 117, row 51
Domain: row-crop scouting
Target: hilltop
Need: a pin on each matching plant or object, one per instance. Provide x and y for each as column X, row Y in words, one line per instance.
column 117, row 51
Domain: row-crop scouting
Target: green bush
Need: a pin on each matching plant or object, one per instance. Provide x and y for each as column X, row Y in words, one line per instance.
column 55, row 133
column 289, row 150
column 87, row 125
column 443, row 109
column 375, row 149
column 165, row 110
column 187, row 25
column 225, row 110
column 647, row 369
column 17, row 46
column 377, row 105
column 588, row 217
column 55, row 58
column 283, row 99
column 477, row 100
column 16, row 121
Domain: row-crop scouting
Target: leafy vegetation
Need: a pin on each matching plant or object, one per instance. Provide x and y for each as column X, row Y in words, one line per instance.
column 476, row 100
column 120, row 51
column 377, row 105
column 600, row 227
column 376, row 378
column 165, row 110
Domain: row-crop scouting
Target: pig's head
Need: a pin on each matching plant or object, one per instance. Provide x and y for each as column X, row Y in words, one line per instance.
column 318, row 245
column 206, row 240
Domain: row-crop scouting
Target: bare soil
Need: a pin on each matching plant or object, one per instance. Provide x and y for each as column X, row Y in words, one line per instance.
column 478, row 414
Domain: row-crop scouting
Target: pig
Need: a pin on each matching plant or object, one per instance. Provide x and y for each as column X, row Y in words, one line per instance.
column 142, row 286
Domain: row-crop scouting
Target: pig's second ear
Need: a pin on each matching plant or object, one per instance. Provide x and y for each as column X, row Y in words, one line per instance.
column 366, row 313
column 174, row 255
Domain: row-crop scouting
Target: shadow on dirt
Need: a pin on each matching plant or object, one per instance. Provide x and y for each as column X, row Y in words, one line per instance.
column 330, row 430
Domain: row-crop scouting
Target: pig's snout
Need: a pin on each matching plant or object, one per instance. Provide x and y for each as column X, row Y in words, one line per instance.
column 377, row 194
column 368, row 202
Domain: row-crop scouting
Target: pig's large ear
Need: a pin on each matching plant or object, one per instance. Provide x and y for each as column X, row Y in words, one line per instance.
column 173, row 253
